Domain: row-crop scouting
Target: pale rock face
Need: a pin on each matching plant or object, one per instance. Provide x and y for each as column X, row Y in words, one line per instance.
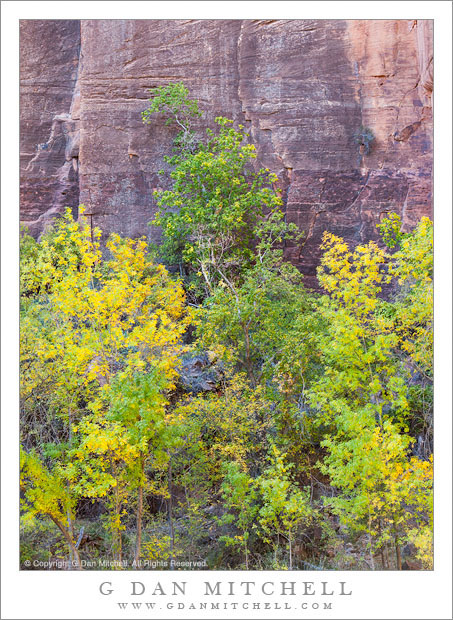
column 49, row 131
column 303, row 88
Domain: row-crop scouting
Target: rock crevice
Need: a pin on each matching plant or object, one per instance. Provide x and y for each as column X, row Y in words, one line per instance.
column 49, row 132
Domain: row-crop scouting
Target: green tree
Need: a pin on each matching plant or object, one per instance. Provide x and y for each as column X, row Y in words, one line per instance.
column 362, row 398
column 173, row 102
column 239, row 494
column 208, row 217
column 410, row 269
column 265, row 325
column 412, row 266
column 218, row 201
column 229, row 425
column 285, row 507
column 251, row 321
column 118, row 449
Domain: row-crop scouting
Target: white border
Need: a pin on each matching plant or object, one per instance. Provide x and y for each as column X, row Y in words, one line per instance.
column 375, row 595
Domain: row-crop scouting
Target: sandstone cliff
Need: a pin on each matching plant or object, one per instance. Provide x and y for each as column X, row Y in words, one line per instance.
column 302, row 87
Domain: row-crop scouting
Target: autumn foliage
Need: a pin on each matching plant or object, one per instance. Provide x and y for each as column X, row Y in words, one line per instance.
column 311, row 445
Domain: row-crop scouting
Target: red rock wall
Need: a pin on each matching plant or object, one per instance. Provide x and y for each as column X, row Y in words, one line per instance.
column 49, row 63
column 302, row 87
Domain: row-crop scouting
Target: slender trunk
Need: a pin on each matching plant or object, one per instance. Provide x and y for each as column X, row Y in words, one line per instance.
column 206, row 277
column 117, row 538
column 115, row 507
column 398, row 553
column 382, row 547
column 139, row 514
column 170, row 515
column 370, row 541
column 290, row 555
column 70, row 541
column 246, row 557
column 71, row 533
column 277, row 547
column 68, row 514
column 138, row 543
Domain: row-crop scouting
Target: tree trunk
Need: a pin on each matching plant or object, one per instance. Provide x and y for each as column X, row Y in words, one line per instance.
column 117, row 538
column 246, row 549
column 384, row 566
column 206, row 277
column 398, row 553
column 170, row 515
column 71, row 533
column 139, row 515
column 290, row 555
column 68, row 514
column 370, row 540
column 73, row 549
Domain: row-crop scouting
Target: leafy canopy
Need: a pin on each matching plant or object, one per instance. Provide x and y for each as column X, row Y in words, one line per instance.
column 218, row 206
column 101, row 340
column 362, row 398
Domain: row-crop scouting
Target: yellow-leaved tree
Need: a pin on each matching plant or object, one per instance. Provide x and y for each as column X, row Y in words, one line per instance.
column 95, row 328
column 362, row 398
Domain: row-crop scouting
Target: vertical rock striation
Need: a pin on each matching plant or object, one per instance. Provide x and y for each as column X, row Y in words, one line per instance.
column 123, row 59
column 303, row 88
column 49, row 119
